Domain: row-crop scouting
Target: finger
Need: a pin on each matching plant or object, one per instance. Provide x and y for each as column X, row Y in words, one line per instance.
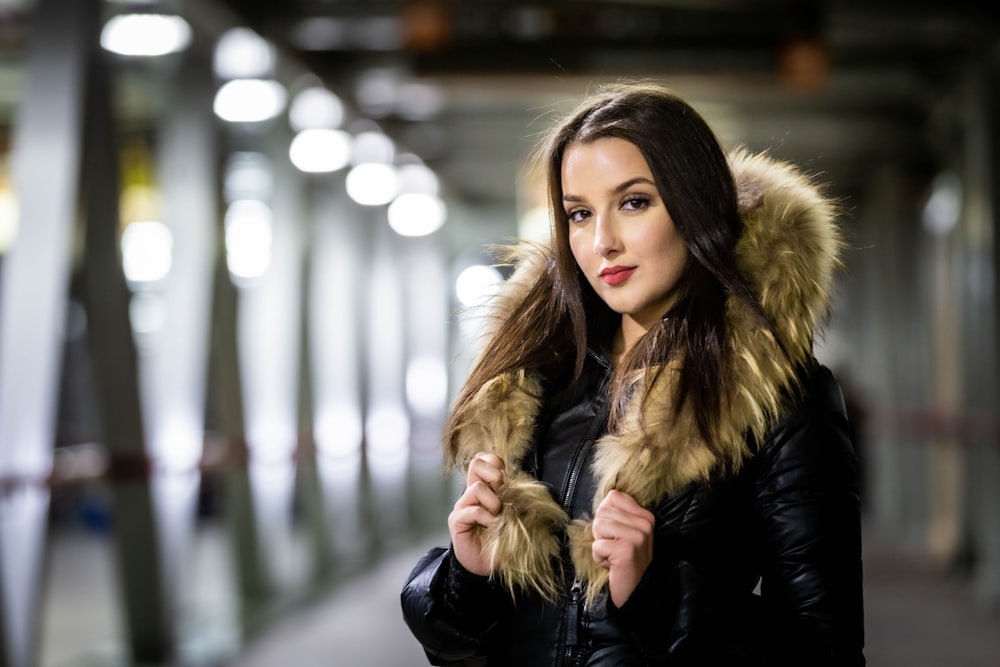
column 615, row 523
column 490, row 458
column 482, row 495
column 623, row 504
column 488, row 468
column 623, row 536
column 614, row 530
column 614, row 553
column 464, row 519
column 640, row 518
column 601, row 550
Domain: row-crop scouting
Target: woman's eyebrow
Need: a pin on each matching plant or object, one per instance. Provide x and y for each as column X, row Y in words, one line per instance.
column 618, row 189
column 630, row 182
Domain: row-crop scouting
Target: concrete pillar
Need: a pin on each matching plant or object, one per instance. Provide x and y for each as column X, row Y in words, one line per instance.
column 174, row 357
column 254, row 589
column 268, row 335
column 946, row 450
column 387, row 417
column 980, row 241
column 148, row 613
column 46, row 163
column 336, row 258
column 428, row 306
column 891, row 351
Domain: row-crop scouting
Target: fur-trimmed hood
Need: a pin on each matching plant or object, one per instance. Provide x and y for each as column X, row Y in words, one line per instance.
column 788, row 253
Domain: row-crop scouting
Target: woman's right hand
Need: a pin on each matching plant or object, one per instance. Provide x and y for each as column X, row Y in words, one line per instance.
column 478, row 507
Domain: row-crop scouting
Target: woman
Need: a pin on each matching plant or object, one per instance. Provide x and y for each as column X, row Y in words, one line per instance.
column 658, row 470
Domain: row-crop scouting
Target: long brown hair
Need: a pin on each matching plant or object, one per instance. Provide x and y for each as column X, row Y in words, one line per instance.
column 561, row 315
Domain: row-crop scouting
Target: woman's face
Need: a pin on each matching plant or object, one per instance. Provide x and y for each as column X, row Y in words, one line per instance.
column 620, row 232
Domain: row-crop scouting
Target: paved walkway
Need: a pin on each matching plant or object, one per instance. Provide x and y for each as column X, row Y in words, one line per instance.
column 358, row 625
column 914, row 618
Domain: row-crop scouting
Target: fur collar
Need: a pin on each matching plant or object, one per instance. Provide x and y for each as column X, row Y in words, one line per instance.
column 789, row 252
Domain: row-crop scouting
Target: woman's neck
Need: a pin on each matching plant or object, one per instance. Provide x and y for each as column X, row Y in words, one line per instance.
column 628, row 333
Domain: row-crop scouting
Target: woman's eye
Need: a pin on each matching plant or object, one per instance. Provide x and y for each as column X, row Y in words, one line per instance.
column 576, row 216
column 636, row 203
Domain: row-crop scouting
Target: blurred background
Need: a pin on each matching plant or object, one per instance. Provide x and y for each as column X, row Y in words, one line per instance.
column 242, row 244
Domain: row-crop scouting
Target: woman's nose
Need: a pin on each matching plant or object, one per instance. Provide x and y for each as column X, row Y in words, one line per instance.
column 605, row 240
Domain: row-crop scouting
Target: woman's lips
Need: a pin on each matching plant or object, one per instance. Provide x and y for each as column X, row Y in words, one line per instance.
column 616, row 275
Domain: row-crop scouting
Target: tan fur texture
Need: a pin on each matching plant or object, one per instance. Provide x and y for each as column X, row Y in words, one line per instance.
column 524, row 542
column 789, row 254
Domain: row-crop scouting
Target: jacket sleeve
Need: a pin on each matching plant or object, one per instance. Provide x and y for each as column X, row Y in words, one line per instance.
column 808, row 509
column 449, row 610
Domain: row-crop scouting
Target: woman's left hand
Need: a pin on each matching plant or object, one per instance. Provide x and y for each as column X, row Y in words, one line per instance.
column 623, row 543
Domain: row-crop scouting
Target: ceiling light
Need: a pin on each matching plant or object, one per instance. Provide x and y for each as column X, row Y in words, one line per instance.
column 372, row 184
column 247, row 175
column 241, row 53
column 427, row 386
column 417, row 214
column 147, row 35
column 248, row 239
column 371, row 146
column 146, row 251
column 249, row 100
column 9, row 217
column 315, row 107
column 417, row 178
column 376, row 92
column 476, row 284
column 944, row 206
column 319, row 150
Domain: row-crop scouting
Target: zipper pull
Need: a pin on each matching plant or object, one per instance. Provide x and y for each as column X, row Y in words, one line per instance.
column 577, row 586
column 576, row 591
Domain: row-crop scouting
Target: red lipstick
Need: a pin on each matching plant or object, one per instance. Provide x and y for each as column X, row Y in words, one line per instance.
column 615, row 275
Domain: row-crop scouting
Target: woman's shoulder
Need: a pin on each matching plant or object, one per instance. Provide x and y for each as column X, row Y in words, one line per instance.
column 820, row 390
column 815, row 426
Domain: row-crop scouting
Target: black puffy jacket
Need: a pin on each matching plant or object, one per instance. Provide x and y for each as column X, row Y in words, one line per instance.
column 761, row 566
column 758, row 568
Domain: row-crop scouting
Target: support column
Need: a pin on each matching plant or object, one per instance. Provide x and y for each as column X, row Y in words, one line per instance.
column 426, row 379
column 268, row 336
column 225, row 369
column 46, row 163
column 891, row 351
column 149, row 620
column 980, row 335
column 174, row 358
column 309, row 481
column 387, row 419
column 946, row 449
column 335, row 345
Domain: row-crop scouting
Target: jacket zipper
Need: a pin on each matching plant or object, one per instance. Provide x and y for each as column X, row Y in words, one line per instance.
column 571, row 630
column 580, row 458
column 575, row 611
column 575, row 470
column 580, row 455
